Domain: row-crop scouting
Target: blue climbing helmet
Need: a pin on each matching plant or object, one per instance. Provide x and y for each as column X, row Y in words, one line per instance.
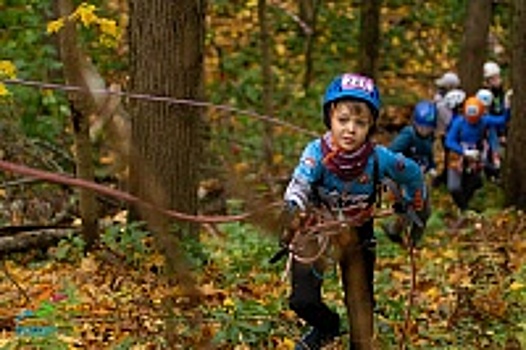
column 425, row 114
column 353, row 87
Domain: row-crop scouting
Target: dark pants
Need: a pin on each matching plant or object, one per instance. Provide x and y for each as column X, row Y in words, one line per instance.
column 463, row 185
column 442, row 177
column 305, row 298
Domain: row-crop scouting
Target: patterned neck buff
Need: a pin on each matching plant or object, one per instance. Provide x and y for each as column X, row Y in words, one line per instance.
column 346, row 165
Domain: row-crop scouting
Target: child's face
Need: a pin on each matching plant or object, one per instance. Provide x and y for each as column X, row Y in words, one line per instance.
column 350, row 124
column 424, row 131
column 494, row 81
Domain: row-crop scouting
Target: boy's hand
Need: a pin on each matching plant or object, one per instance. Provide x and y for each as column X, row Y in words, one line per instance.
column 473, row 154
column 418, row 201
column 432, row 173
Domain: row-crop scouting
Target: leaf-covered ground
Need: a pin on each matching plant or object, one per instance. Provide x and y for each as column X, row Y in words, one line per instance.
column 470, row 292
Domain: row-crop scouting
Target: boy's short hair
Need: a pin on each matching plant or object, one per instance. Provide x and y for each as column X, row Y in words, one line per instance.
column 356, row 107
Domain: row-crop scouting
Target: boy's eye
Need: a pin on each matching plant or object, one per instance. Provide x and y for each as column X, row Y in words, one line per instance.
column 343, row 118
column 361, row 122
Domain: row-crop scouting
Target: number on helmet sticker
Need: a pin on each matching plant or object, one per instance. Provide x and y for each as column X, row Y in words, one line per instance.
column 352, row 81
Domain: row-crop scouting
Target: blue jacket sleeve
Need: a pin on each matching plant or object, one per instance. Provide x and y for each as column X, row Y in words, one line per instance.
column 452, row 137
column 307, row 172
column 493, row 138
column 496, row 120
column 403, row 171
column 402, row 141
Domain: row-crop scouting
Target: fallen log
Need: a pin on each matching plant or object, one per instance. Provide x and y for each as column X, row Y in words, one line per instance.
column 33, row 237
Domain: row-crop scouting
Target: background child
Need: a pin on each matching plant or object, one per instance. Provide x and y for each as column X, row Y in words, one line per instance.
column 465, row 140
column 493, row 82
column 416, row 141
column 449, row 108
column 491, row 147
column 340, row 172
column 444, row 84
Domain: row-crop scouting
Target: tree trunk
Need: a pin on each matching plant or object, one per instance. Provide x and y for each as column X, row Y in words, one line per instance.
column 166, row 44
column 515, row 166
column 81, row 107
column 166, row 48
column 474, row 44
column 308, row 14
column 266, row 65
column 369, row 37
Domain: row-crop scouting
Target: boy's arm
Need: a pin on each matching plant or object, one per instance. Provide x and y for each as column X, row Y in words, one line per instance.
column 402, row 141
column 405, row 172
column 496, row 120
column 307, row 172
column 452, row 141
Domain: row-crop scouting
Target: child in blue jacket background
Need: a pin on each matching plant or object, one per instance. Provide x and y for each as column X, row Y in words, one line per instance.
column 339, row 171
column 465, row 139
column 416, row 141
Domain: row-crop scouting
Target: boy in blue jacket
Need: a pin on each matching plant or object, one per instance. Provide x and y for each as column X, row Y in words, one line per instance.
column 340, row 172
column 465, row 140
column 416, row 141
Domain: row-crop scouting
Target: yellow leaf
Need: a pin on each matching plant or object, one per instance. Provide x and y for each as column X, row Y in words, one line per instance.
column 450, row 254
column 85, row 13
column 241, row 167
column 7, row 69
column 228, row 302
column 286, row 344
column 281, row 49
column 516, row 286
column 3, row 90
column 395, row 41
column 277, row 158
column 109, row 27
column 433, row 293
column 55, row 26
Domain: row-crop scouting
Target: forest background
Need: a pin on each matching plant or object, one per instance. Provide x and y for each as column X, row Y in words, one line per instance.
column 78, row 272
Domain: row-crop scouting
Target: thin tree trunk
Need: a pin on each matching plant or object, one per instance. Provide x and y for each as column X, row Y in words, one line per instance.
column 369, row 37
column 515, row 166
column 474, row 44
column 308, row 14
column 81, row 107
column 266, row 65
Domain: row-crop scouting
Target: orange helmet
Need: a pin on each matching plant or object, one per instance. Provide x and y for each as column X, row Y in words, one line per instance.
column 473, row 109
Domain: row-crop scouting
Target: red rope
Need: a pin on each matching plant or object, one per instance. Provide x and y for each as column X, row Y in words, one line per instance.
column 111, row 192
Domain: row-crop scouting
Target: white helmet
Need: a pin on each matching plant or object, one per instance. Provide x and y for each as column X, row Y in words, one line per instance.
column 485, row 96
column 448, row 80
column 491, row 69
column 454, row 98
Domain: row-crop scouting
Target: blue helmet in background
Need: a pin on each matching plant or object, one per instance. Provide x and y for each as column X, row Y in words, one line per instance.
column 353, row 87
column 425, row 114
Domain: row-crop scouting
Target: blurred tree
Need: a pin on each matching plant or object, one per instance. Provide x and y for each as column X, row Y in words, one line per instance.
column 308, row 14
column 369, row 37
column 82, row 106
column 474, row 45
column 266, row 70
column 515, row 170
